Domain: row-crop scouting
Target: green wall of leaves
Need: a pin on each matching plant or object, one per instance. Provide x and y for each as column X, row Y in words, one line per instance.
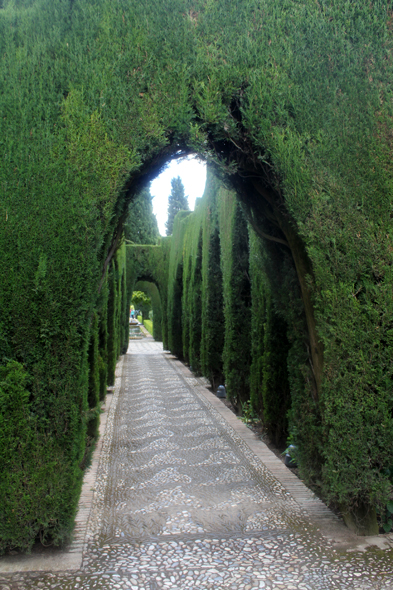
column 292, row 103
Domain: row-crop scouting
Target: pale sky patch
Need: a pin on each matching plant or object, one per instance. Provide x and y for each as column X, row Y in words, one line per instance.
column 193, row 175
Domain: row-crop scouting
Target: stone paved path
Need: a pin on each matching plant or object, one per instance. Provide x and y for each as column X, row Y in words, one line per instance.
column 182, row 502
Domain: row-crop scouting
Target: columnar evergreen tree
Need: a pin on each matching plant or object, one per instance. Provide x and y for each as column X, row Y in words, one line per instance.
column 177, row 201
column 141, row 225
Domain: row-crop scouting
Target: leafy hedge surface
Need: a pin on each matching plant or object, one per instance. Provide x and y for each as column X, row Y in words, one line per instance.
column 195, row 291
column 292, row 103
column 192, row 291
column 237, row 297
column 270, row 392
column 45, row 502
column 213, row 323
column 175, row 285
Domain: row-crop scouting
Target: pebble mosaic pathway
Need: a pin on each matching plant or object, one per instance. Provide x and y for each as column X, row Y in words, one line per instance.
column 181, row 502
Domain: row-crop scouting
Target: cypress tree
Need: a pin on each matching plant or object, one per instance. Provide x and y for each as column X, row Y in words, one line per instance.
column 177, row 201
column 141, row 225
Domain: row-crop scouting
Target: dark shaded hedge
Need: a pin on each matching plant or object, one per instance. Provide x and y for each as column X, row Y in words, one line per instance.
column 213, row 323
column 269, row 386
column 195, row 288
column 175, row 285
column 234, row 244
column 192, row 291
column 43, row 504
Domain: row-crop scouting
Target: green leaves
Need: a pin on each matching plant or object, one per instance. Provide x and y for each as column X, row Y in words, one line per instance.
column 94, row 97
column 141, row 224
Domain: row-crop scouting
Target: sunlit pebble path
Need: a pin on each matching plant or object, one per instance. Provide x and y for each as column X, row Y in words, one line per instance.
column 182, row 502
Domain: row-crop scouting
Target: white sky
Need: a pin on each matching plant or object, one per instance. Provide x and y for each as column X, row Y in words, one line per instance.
column 193, row 175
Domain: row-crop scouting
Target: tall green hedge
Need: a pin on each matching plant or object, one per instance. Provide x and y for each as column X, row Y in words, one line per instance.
column 175, row 285
column 270, row 392
column 195, row 291
column 213, row 324
column 291, row 102
column 192, row 292
column 102, row 309
column 44, row 505
column 234, row 243
column 118, row 312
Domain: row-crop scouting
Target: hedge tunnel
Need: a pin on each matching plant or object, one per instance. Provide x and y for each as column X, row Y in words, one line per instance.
column 153, row 293
column 290, row 103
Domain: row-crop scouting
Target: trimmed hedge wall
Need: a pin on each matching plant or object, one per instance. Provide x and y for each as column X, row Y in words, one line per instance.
column 237, row 297
column 192, row 292
column 43, row 505
column 291, row 103
column 213, row 323
column 269, row 386
column 175, row 285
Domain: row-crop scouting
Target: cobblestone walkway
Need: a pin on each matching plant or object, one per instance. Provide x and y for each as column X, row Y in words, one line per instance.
column 182, row 502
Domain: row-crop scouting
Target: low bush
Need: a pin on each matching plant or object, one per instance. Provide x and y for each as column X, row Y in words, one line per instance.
column 149, row 326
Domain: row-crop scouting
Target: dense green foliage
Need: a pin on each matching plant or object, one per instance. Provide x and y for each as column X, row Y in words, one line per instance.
column 292, row 103
column 177, row 201
column 192, row 292
column 237, row 298
column 141, row 301
column 118, row 306
column 44, row 505
column 195, row 298
column 175, row 286
column 141, row 223
column 213, row 327
column 270, row 317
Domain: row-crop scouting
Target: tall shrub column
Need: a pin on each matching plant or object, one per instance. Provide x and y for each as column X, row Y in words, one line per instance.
column 213, row 330
column 237, row 297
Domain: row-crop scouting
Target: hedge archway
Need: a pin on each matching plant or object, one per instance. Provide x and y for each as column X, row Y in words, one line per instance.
column 291, row 103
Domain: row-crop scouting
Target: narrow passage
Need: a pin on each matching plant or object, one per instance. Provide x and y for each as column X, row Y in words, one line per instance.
column 182, row 502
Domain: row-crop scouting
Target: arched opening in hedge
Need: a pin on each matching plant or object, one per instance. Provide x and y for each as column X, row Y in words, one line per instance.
column 152, row 291
column 264, row 207
column 291, row 108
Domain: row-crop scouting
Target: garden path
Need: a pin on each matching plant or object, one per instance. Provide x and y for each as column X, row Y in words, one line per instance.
column 186, row 496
